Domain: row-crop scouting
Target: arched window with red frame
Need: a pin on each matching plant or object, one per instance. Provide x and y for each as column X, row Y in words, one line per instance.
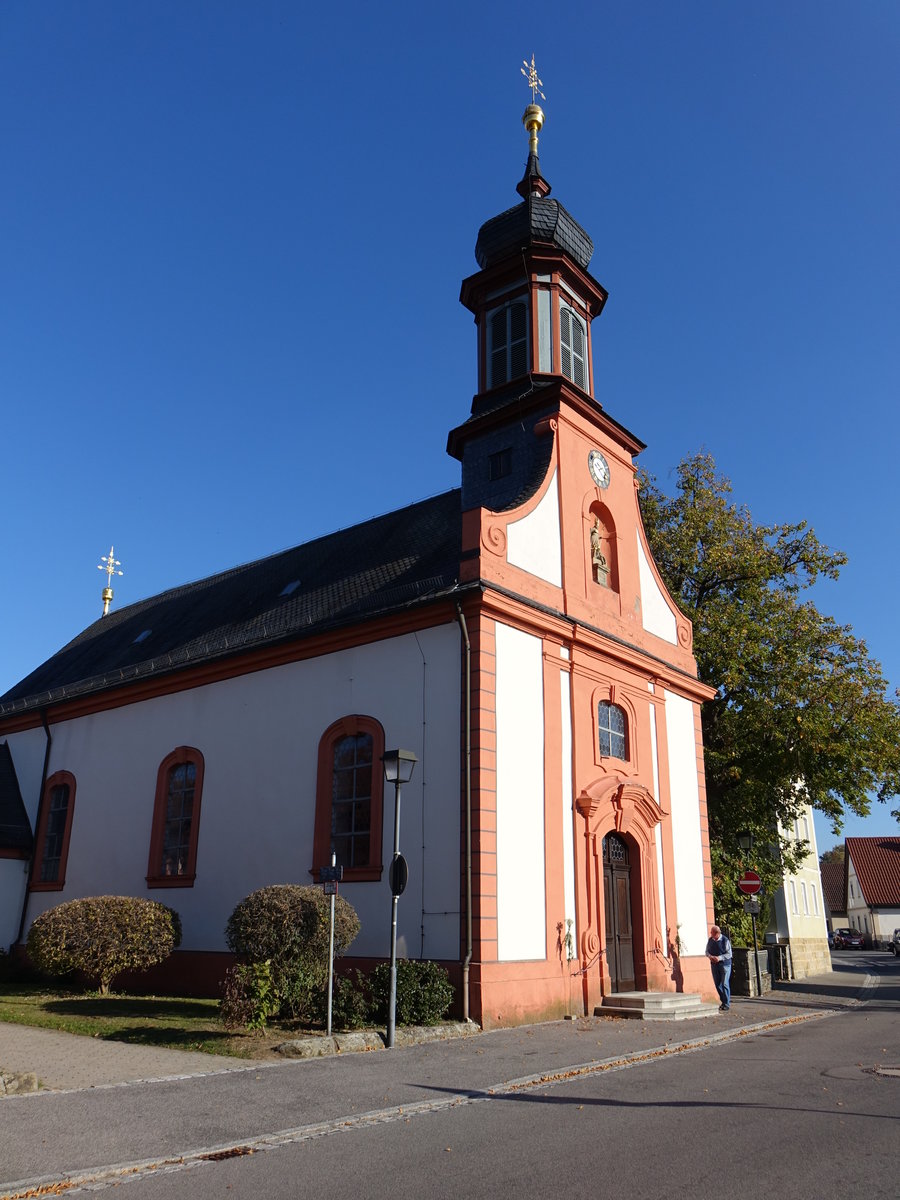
column 349, row 799
column 176, row 819
column 48, row 873
column 612, row 728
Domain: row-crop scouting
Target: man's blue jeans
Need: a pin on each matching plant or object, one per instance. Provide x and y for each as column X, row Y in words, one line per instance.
column 721, row 973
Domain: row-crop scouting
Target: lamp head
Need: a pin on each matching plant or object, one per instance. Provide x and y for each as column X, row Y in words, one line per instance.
column 398, row 765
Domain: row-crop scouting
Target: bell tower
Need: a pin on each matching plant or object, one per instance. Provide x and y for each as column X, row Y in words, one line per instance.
column 533, row 302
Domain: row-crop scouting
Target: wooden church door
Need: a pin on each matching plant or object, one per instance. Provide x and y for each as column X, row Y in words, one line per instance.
column 617, row 903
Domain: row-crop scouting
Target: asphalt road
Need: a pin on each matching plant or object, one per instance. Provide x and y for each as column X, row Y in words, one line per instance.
column 804, row 1110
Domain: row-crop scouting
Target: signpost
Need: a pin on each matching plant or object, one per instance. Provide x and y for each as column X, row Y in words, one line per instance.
column 329, row 877
column 751, row 885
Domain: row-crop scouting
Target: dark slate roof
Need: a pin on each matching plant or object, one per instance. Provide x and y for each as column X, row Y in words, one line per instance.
column 877, row 864
column 833, row 874
column 536, row 219
column 15, row 828
column 381, row 566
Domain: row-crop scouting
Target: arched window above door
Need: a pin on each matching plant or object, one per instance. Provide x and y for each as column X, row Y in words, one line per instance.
column 612, row 730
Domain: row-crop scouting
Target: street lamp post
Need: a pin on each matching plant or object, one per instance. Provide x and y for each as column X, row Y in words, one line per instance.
column 398, row 769
column 745, row 841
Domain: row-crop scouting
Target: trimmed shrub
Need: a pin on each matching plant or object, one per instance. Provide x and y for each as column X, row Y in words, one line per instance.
column 101, row 936
column 287, row 925
column 424, row 992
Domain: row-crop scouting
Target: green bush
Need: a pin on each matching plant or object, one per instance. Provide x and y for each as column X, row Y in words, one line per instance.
column 288, row 925
column 101, row 936
column 249, row 997
column 424, row 992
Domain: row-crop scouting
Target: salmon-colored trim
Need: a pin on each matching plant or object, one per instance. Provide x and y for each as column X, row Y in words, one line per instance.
column 36, row 884
column 349, row 726
column 155, row 876
column 6, row 852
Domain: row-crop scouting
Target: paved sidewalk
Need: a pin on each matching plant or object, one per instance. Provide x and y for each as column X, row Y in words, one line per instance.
column 64, row 1061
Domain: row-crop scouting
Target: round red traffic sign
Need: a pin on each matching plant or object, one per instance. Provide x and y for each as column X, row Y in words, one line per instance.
column 750, row 883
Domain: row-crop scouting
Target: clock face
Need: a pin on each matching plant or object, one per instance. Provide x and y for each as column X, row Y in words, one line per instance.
column 599, row 469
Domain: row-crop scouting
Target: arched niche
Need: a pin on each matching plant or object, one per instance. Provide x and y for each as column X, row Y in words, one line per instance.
column 603, row 547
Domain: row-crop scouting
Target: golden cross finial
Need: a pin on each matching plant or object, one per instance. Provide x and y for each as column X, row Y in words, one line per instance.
column 530, row 73
column 108, row 563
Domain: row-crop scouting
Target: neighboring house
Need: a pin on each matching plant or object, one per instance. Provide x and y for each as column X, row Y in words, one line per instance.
column 834, row 876
column 513, row 633
column 799, row 910
column 872, row 875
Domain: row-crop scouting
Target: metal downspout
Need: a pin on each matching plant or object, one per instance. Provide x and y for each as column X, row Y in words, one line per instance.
column 37, row 825
column 467, row 688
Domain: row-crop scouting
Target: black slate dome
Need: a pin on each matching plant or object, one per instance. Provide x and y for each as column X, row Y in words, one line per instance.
column 536, row 219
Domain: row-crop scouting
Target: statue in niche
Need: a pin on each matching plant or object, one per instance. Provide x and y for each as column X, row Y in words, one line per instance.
column 598, row 558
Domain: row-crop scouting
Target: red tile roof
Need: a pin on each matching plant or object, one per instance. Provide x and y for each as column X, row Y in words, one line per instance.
column 876, row 861
column 833, row 874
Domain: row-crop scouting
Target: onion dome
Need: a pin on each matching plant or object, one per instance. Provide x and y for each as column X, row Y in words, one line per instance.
column 538, row 219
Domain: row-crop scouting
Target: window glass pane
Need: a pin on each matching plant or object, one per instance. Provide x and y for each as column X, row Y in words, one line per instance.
column 176, row 839
column 54, row 834
column 363, row 781
column 342, row 786
column 611, row 730
column 342, row 819
column 345, row 752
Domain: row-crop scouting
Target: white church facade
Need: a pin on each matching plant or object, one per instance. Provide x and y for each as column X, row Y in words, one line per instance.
column 513, row 633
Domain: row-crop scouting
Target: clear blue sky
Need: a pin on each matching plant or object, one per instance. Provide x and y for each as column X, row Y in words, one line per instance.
column 233, row 237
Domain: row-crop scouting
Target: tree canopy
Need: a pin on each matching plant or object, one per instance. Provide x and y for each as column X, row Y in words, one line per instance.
column 801, row 712
column 837, row 854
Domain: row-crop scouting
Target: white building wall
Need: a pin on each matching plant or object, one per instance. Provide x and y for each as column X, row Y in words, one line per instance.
column 259, row 736
column 656, row 615
column 568, row 819
column 533, row 542
column 687, row 842
column 521, row 904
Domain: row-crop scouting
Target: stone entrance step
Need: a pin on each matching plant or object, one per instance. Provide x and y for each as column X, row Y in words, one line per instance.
column 656, row 1006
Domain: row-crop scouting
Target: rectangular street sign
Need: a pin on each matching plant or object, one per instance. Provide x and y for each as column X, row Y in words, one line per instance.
column 329, row 887
column 330, row 874
column 752, row 907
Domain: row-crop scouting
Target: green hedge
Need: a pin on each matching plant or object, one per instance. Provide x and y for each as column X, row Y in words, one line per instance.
column 287, row 926
column 101, row 936
column 424, row 992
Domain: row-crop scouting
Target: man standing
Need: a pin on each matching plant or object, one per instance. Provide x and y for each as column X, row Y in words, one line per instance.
column 718, row 951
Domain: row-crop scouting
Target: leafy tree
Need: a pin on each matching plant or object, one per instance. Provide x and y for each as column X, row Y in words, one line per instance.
column 836, row 854
column 801, row 712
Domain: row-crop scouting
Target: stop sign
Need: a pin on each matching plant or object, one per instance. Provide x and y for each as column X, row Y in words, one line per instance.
column 750, row 883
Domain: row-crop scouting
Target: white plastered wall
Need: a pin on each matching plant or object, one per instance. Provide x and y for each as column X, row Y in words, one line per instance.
column 656, row 615
column 259, row 736
column 521, row 906
column 533, row 542
column 687, row 841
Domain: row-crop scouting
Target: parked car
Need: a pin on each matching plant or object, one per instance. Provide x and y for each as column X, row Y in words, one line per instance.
column 895, row 943
column 848, row 939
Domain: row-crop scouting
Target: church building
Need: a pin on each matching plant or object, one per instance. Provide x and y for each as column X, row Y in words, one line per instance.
column 513, row 633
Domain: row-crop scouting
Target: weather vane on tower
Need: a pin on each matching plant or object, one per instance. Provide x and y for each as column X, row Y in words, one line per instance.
column 533, row 118
column 108, row 563
column 534, row 83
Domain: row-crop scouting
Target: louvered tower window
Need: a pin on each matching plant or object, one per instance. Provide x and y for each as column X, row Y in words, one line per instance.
column 508, row 353
column 572, row 347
